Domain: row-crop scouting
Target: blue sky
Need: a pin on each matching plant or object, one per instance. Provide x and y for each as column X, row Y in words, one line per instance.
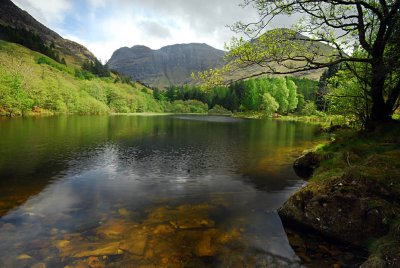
column 104, row 26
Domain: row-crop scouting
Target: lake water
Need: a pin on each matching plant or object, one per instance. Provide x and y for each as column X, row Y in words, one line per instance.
column 147, row 191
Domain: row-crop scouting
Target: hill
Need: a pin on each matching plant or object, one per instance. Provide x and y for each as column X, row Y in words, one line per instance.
column 31, row 82
column 170, row 65
column 15, row 18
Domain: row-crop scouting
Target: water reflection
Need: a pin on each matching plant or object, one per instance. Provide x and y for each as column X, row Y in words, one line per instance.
column 162, row 191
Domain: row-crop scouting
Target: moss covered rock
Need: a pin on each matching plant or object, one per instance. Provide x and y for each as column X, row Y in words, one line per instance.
column 305, row 165
column 354, row 194
column 341, row 210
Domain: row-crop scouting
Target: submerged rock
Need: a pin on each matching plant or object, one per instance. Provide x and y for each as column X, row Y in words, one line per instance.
column 79, row 248
column 135, row 242
column 123, row 212
column 95, row 262
column 205, row 247
column 24, row 257
column 114, row 228
column 98, row 249
column 191, row 223
column 39, row 265
column 163, row 229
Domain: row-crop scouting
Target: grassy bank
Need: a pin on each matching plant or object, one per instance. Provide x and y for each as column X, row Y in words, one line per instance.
column 325, row 121
column 370, row 163
column 353, row 195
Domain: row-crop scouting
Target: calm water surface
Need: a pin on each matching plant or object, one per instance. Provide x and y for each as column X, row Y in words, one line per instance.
column 136, row 191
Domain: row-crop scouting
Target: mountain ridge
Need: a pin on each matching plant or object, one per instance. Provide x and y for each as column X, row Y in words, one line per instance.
column 169, row 65
column 13, row 16
column 142, row 63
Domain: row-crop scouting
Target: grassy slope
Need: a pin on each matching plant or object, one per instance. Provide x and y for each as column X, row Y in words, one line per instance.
column 28, row 87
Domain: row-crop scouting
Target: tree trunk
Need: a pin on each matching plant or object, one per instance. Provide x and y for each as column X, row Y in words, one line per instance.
column 392, row 99
column 379, row 112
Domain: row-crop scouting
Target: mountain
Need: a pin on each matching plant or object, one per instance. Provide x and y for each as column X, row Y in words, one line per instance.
column 18, row 19
column 173, row 65
column 170, row 65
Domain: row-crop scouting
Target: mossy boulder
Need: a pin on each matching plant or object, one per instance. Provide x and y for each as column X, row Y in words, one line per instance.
column 340, row 210
column 305, row 165
column 354, row 194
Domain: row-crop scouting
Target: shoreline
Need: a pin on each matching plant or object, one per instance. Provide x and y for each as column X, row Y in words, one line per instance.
column 353, row 195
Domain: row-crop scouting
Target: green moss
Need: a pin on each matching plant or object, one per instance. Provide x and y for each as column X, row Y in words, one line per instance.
column 367, row 163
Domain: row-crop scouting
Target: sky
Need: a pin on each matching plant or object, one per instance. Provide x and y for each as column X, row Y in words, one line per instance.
column 104, row 26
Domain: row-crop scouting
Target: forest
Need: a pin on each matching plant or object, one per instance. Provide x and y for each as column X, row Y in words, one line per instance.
column 267, row 95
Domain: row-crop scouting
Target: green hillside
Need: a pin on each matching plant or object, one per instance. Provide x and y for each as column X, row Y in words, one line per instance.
column 33, row 83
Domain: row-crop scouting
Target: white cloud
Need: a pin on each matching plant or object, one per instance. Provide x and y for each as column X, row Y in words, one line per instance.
column 154, row 29
column 104, row 26
column 97, row 3
column 47, row 12
column 159, row 23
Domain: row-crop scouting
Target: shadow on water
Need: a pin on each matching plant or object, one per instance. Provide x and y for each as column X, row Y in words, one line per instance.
column 150, row 191
column 317, row 251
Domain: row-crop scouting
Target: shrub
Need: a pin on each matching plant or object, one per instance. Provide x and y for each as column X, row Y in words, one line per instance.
column 217, row 109
column 189, row 106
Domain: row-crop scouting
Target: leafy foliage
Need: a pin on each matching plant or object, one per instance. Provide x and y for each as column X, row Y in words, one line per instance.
column 309, row 109
column 249, row 95
column 32, row 82
column 188, row 106
column 269, row 105
column 346, row 96
column 323, row 86
column 96, row 68
column 217, row 109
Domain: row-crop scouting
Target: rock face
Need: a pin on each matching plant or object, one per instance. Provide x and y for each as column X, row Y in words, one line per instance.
column 305, row 165
column 173, row 65
column 170, row 65
column 13, row 16
column 342, row 209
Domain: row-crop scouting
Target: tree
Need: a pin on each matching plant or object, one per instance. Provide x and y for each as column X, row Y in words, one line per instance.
column 323, row 87
column 156, row 94
column 323, row 37
column 269, row 104
column 292, row 99
column 251, row 99
column 346, row 96
column 96, row 68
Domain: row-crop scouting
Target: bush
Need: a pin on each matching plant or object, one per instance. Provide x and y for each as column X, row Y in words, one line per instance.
column 52, row 63
column 83, row 74
column 189, row 106
column 310, row 108
column 217, row 109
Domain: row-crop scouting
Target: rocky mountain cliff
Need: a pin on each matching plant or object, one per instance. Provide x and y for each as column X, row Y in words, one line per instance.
column 173, row 65
column 170, row 65
column 13, row 16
